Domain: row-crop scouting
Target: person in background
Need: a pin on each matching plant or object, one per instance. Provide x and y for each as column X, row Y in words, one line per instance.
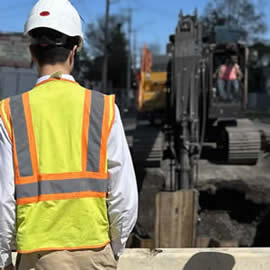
column 233, row 75
column 68, row 191
column 228, row 76
column 221, row 80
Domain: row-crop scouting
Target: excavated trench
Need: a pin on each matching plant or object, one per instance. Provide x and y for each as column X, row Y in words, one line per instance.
column 227, row 215
column 234, row 203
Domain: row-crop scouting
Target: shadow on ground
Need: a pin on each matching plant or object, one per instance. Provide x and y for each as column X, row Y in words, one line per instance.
column 210, row 261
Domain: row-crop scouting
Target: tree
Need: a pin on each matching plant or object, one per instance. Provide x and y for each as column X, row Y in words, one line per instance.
column 81, row 67
column 154, row 48
column 117, row 50
column 243, row 14
column 95, row 34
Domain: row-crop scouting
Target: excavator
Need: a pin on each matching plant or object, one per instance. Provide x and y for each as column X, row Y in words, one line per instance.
column 195, row 120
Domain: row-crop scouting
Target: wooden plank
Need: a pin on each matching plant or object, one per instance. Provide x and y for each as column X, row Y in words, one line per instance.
column 176, row 219
column 146, row 243
column 135, row 241
column 229, row 243
column 202, row 242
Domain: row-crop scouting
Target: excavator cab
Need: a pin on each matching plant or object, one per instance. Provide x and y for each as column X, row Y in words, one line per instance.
column 228, row 76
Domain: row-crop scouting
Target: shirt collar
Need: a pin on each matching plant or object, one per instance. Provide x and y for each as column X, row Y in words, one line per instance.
column 63, row 76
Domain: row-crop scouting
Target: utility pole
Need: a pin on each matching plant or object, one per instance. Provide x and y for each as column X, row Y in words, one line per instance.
column 105, row 60
column 134, row 64
column 129, row 54
column 135, row 49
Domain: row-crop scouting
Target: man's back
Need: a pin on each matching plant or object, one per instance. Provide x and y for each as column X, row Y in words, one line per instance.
column 57, row 111
column 60, row 132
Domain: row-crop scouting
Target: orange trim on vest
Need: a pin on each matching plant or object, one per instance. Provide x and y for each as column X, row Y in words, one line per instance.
column 6, row 112
column 15, row 158
column 73, row 175
column 23, row 180
column 30, row 133
column 63, row 196
column 86, row 120
column 65, row 248
column 60, row 176
column 54, row 79
column 113, row 109
column 104, row 135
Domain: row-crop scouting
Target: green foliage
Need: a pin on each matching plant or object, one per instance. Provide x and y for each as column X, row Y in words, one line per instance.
column 154, row 48
column 81, row 66
column 236, row 13
column 117, row 67
column 117, row 50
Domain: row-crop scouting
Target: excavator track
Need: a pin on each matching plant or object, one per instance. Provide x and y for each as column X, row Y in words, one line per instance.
column 147, row 145
column 266, row 140
column 243, row 143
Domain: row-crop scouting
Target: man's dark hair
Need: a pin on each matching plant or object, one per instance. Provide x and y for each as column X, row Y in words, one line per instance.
column 50, row 46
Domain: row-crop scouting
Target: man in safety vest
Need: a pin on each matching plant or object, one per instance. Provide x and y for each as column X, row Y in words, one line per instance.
column 67, row 185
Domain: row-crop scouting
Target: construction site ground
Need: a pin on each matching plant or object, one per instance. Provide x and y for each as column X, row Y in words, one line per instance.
column 234, row 201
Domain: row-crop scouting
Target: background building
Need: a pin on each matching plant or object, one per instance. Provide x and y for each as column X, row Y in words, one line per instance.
column 17, row 73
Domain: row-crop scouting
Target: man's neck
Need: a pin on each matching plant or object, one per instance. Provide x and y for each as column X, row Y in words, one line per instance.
column 50, row 69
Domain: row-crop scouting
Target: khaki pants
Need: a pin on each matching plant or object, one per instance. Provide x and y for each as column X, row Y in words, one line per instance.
column 94, row 259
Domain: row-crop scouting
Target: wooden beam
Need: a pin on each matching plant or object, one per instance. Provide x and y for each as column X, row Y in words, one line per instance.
column 176, row 219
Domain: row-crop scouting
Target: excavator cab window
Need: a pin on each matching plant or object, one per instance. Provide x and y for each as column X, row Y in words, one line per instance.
column 228, row 80
column 227, row 77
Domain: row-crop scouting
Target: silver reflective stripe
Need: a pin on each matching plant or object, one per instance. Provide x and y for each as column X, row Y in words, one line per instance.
column 60, row 187
column 94, row 132
column 21, row 137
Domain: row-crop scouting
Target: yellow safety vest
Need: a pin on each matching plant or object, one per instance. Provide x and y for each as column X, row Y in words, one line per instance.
column 59, row 133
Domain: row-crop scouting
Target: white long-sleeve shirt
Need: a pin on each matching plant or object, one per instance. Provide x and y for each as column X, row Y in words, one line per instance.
column 122, row 200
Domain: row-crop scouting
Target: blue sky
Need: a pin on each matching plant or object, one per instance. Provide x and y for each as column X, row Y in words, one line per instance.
column 153, row 20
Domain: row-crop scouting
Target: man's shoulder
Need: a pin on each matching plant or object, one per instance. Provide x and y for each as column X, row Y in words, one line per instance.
column 99, row 93
column 7, row 99
column 16, row 97
column 96, row 92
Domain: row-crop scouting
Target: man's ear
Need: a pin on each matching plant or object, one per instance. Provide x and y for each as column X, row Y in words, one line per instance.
column 75, row 48
column 72, row 54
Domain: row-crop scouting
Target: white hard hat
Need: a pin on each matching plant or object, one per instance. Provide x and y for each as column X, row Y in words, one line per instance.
column 58, row 15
